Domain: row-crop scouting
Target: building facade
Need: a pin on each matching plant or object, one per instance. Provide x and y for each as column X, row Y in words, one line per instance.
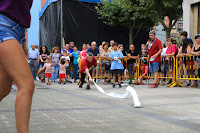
column 191, row 17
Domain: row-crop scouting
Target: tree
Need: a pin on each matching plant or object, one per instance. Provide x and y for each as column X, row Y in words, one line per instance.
column 159, row 9
column 117, row 12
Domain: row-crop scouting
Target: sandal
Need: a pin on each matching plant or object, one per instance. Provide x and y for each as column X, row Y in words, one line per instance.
column 193, row 85
column 48, row 83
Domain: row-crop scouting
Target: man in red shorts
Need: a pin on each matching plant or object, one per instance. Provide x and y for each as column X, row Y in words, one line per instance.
column 87, row 65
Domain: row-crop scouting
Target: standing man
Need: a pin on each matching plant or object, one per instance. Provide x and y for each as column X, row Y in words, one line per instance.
column 33, row 57
column 183, row 35
column 87, row 65
column 95, row 51
column 154, row 49
column 131, row 63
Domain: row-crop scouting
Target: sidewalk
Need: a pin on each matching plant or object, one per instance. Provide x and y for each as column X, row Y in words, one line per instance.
column 69, row 109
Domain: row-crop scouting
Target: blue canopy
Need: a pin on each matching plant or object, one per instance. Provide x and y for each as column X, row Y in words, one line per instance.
column 48, row 2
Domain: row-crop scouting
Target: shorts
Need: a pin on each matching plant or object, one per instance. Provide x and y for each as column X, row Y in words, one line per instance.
column 11, row 30
column 107, row 66
column 130, row 67
column 116, row 71
column 48, row 75
column 41, row 64
column 164, row 66
column 61, row 76
column 167, row 63
column 98, row 66
column 144, row 68
column 154, row 67
column 68, row 70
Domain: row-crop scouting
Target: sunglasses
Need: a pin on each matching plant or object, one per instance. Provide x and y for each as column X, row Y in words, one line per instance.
column 197, row 36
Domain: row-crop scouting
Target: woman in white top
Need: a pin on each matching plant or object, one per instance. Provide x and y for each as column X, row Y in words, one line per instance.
column 164, row 65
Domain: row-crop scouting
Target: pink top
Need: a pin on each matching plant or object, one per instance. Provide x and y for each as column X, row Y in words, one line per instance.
column 62, row 69
column 48, row 67
column 172, row 49
column 83, row 53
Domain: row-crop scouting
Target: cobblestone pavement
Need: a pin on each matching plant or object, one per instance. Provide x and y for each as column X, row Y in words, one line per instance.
column 69, row 109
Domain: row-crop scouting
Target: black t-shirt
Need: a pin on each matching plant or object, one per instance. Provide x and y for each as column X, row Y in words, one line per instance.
column 132, row 54
column 124, row 53
column 144, row 60
column 44, row 56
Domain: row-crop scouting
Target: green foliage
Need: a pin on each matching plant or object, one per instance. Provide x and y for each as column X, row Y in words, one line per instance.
column 118, row 12
column 124, row 13
column 159, row 9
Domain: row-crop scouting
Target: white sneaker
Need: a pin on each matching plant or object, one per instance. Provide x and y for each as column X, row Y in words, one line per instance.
column 37, row 78
column 14, row 88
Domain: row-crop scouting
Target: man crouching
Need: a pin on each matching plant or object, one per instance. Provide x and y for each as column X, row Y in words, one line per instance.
column 86, row 67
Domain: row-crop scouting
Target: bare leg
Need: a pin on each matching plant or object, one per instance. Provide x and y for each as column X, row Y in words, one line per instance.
column 119, row 78
column 48, row 80
column 42, row 75
column 130, row 76
column 17, row 69
column 114, row 78
column 39, row 71
column 155, row 75
column 5, row 83
column 68, row 77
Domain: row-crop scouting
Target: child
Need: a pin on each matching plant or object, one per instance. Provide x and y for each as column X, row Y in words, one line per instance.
column 116, row 67
column 48, row 68
column 144, row 65
column 67, row 58
column 62, row 70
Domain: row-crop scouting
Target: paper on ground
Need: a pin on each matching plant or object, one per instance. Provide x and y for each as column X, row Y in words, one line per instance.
column 129, row 89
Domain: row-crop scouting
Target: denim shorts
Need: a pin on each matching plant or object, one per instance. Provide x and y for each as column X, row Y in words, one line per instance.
column 41, row 64
column 11, row 30
column 154, row 67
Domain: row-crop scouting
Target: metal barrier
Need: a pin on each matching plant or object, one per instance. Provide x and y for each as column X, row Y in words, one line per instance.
column 181, row 68
column 102, row 67
column 187, row 68
column 167, row 64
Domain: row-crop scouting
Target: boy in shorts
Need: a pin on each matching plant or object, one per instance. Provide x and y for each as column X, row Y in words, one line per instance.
column 116, row 66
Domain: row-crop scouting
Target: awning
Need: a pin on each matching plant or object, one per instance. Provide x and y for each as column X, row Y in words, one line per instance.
column 48, row 2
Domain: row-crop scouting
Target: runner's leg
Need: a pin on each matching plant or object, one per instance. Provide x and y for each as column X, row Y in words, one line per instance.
column 17, row 68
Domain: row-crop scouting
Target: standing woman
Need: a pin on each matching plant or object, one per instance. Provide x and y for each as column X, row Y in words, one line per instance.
column 76, row 55
column 106, row 62
column 55, row 58
column 14, row 19
column 44, row 52
column 84, row 51
column 185, row 51
column 196, row 53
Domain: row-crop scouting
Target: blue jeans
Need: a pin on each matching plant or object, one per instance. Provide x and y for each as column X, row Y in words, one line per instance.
column 11, row 30
column 33, row 64
column 75, row 71
column 154, row 67
column 54, row 74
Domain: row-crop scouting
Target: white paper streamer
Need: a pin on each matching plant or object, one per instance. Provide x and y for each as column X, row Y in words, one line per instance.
column 129, row 89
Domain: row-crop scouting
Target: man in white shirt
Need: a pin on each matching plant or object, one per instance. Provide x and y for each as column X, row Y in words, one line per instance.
column 33, row 57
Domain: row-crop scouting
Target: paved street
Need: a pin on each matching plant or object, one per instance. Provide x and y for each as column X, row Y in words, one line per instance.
column 69, row 109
